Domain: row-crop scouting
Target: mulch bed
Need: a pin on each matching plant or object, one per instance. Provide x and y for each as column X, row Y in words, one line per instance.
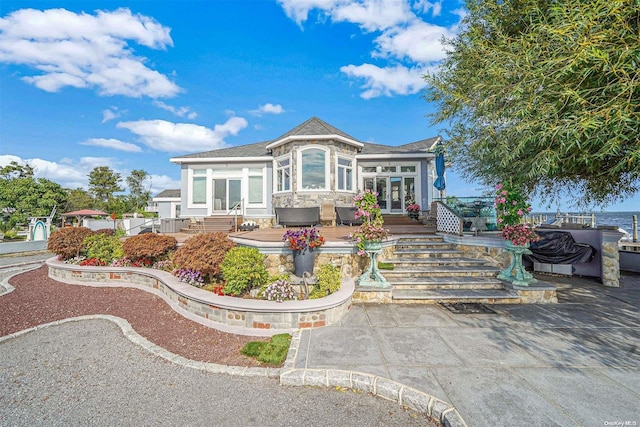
column 38, row 299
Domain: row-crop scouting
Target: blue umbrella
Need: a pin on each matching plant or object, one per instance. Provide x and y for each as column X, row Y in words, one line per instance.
column 439, row 182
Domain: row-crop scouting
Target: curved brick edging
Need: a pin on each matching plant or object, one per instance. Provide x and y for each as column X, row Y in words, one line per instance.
column 135, row 338
column 368, row 383
column 228, row 314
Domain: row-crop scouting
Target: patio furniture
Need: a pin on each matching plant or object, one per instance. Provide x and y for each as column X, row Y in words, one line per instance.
column 328, row 213
column 347, row 216
column 298, row 217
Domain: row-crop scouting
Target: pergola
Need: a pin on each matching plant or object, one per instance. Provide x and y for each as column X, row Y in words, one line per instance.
column 81, row 214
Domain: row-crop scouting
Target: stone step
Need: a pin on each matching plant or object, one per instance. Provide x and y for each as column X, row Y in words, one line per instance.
column 426, row 253
column 436, row 296
column 424, row 246
column 442, row 270
column 420, row 243
column 446, row 282
column 411, row 262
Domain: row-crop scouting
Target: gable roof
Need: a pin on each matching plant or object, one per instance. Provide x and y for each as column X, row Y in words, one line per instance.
column 421, row 147
column 169, row 193
column 312, row 128
column 315, row 128
column 256, row 151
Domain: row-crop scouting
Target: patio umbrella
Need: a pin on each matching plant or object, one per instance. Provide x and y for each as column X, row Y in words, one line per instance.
column 439, row 182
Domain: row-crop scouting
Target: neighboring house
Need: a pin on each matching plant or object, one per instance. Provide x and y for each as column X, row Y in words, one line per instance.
column 166, row 204
column 311, row 163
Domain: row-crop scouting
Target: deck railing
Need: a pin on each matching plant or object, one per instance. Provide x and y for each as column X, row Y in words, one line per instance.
column 447, row 220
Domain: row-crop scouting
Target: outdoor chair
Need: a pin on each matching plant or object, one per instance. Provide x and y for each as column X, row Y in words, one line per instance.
column 328, row 213
column 298, row 217
column 347, row 216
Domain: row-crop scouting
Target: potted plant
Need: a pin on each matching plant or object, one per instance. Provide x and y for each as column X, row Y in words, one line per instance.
column 511, row 208
column 303, row 242
column 413, row 210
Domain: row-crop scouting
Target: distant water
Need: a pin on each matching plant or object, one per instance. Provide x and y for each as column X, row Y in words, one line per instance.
column 623, row 220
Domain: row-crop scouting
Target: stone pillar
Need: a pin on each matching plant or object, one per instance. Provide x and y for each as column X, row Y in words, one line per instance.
column 610, row 258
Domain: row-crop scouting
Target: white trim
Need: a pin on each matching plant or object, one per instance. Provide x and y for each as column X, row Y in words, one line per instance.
column 327, row 168
column 165, row 199
column 274, row 185
column 207, row 178
column 179, row 160
column 395, row 156
column 314, row 137
column 354, row 172
column 247, row 174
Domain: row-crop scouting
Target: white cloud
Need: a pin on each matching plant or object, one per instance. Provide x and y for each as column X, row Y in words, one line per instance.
column 67, row 173
column 114, row 144
column 418, row 42
column 409, row 44
column 178, row 111
column 268, row 108
column 424, row 6
column 298, row 10
column 162, row 182
column 182, row 137
column 86, row 51
column 110, row 114
column 387, row 81
column 373, row 15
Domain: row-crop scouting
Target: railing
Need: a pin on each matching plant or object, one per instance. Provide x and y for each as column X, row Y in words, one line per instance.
column 477, row 213
column 447, row 220
column 239, row 205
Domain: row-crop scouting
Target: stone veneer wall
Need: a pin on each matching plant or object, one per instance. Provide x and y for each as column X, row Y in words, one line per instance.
column 314, row 198
column 210, row 309
column 350, row 264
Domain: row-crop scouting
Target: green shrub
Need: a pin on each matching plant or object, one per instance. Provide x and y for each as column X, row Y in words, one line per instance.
column 68, row 242
column 329, row 281
column 104, row 247
column 243, row 269
column 204, row 253
column 253, row 348
column 385, row 266
column 272, row 353
column 148, row 247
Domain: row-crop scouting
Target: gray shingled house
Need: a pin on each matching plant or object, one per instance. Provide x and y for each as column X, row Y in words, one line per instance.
column 311, row 164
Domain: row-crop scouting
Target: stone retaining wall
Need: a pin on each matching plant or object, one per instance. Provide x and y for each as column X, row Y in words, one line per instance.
column 222, row 312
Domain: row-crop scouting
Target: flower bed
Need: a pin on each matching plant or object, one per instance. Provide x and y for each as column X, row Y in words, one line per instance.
column 237, row 315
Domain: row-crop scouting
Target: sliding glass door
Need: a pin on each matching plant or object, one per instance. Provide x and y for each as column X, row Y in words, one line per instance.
column 227, row 193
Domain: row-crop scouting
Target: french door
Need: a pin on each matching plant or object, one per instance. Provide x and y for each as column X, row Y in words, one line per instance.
column 226, row 193
column 390, row 191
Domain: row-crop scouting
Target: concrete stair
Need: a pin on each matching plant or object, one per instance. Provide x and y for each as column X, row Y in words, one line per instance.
column 429, row 271
column 213, row 224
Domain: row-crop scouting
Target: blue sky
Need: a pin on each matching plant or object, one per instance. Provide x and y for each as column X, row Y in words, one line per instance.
column 129, row 84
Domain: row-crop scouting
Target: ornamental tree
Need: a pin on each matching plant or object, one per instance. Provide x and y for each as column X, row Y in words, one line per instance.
column 546, row 94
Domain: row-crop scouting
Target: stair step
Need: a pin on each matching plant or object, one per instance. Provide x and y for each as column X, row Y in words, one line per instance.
column 443, row 270
column 434, row 261
column 486, row 296
column 446, row 282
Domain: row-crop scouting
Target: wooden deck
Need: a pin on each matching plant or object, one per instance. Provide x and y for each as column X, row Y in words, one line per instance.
column 331, row 234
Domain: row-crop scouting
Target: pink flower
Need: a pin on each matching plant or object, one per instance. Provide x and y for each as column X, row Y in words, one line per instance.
column 499, row 187
column 520, row 212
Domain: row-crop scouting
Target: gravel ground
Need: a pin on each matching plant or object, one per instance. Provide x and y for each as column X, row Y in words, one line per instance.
column 88, row 373
column 38, row 299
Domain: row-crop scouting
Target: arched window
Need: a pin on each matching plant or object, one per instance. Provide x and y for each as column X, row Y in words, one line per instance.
column 313, row 169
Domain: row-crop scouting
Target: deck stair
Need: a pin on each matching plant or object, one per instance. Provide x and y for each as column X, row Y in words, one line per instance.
column 400, row 221
column 428, row 270
column 212, row 224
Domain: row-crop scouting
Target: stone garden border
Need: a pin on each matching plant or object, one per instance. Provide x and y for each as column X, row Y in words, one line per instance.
column 228, row 314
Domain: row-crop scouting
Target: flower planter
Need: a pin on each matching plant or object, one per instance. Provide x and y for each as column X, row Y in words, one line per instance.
column 515, row 272
column 372, row 277
column 303, row 260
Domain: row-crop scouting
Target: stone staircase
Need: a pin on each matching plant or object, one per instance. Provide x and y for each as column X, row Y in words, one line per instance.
column 427, row 270
column 212, row 224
